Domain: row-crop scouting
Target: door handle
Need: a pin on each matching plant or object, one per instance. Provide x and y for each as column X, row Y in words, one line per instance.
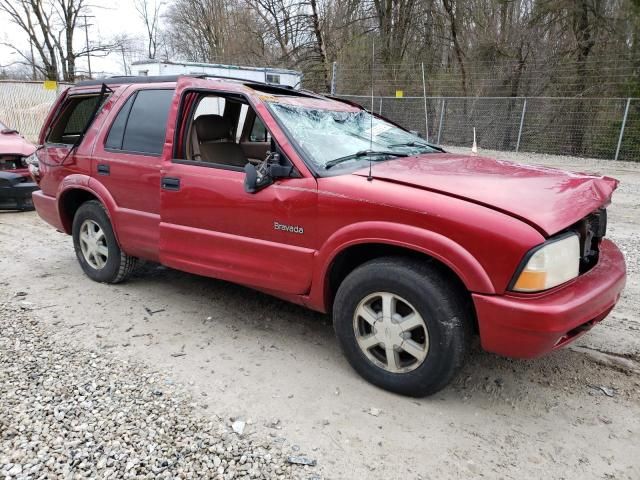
column 103, row 169
column 170, row 183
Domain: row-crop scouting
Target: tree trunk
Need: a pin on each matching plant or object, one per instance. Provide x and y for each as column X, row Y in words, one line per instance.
column 584, row 36
column 315, row 20
column 449, row 7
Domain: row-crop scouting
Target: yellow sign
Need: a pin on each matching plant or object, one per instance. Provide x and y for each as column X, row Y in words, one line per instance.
column 50, row 84
column 399, row 93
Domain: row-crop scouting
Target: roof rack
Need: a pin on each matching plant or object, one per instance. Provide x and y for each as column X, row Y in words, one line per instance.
column 119, row 79
column 267, row 87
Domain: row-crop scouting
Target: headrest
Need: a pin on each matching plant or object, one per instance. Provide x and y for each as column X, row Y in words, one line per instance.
column 212, row 127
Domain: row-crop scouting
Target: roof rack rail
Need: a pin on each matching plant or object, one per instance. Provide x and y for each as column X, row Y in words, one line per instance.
column 120, row 79
column 129, row 79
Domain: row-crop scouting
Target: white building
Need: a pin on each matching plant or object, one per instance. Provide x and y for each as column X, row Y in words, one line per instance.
column 277, row 76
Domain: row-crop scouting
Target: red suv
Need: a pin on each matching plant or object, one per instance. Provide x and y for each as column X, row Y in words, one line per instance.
column 317, row 201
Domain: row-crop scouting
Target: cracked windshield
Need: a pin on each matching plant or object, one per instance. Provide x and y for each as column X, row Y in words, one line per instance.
column 346, row 139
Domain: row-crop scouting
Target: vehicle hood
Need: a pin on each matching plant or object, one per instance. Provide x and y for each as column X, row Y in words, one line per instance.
column 14, row 143
column 548, row 199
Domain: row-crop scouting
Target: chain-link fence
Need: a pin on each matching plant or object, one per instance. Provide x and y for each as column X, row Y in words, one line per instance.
column 606, row 128
column 25, row 105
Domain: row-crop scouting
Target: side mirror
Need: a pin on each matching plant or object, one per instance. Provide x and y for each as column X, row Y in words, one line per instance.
column 279, row 171
column 416, row 133
column 257, row 178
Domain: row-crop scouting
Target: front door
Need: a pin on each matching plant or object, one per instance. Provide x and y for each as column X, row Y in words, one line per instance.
column 211, row 226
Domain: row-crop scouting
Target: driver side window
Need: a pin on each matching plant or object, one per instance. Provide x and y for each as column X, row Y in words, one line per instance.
column 215, row 131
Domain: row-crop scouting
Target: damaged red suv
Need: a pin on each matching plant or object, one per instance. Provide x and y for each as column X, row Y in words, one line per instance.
column 317, row 201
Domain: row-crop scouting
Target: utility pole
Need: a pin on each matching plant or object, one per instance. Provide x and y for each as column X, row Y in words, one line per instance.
column 86, row 38
column 124, row 61
column 33, row 63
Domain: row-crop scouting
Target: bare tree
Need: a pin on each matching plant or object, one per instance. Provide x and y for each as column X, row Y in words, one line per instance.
column 470, row 47
column 394, row 21
column 26, row 14
column 198, row 28
column 50, row 26
column 149, row 11
column 452, row 9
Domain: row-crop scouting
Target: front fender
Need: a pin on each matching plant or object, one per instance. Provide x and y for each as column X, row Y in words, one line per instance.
column 450, row 253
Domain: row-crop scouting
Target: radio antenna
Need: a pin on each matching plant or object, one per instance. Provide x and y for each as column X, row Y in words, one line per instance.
column 373, row 61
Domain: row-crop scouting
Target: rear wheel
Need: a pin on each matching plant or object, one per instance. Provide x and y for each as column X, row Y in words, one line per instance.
column 96, row 247
column 403, row 324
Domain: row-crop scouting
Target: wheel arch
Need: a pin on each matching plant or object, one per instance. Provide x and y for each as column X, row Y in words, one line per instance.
column 345, row 251
column 74, row 193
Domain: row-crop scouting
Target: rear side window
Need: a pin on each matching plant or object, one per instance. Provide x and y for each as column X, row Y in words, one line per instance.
column 116, row 133
column 73, row 119
column 141, row 123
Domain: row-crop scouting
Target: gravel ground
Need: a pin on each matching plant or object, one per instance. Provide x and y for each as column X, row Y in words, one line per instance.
column 219, row 352
column 69, row 412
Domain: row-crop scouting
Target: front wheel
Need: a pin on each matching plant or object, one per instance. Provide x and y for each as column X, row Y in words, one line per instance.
column 97, row 249
column 403, row 325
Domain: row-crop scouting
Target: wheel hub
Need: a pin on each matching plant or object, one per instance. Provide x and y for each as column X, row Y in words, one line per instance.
column 93, row 244
column 390, row 332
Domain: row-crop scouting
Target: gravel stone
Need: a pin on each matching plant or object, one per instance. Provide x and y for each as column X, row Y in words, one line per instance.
column 68, row 412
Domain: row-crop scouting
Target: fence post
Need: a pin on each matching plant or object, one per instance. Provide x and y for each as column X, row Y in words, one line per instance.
column 441, row 120
column 334, row 71
column 380, row 112
column 524, row 109
column 424, row 96
column 624, row 122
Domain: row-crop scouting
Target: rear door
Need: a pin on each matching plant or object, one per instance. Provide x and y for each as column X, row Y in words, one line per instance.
column 211, row 226
column 127, row 161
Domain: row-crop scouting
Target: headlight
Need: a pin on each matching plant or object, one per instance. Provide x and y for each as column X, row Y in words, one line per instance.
column 34, row 167
column 555, row 262
column 32, row 159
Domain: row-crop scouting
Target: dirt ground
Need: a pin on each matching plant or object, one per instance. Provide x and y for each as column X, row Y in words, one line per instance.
column 573, row 414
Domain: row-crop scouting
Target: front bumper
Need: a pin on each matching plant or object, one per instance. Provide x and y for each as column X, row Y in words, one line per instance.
column 528, row 326
column 15, row 192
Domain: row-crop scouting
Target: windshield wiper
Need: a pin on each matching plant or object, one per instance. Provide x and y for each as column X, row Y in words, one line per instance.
column 417, row 144
column 362, row 153
column 409, row 144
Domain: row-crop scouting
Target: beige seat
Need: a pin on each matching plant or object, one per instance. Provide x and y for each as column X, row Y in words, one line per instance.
column 214, row 142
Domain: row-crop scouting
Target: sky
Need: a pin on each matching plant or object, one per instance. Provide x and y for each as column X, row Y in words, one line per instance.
column 120, row 17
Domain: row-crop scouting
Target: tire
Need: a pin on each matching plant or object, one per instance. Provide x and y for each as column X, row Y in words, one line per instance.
column 438, row 343
column 100, row 256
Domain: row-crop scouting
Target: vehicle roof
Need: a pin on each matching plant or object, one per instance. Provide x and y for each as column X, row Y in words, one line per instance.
column 267, row 92
column 143, row 79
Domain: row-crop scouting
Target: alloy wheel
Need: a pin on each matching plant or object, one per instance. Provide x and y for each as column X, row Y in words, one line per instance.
column 390, row 332
column 93, row 244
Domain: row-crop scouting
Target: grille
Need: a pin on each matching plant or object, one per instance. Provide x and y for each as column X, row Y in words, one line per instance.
column 10, row 162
